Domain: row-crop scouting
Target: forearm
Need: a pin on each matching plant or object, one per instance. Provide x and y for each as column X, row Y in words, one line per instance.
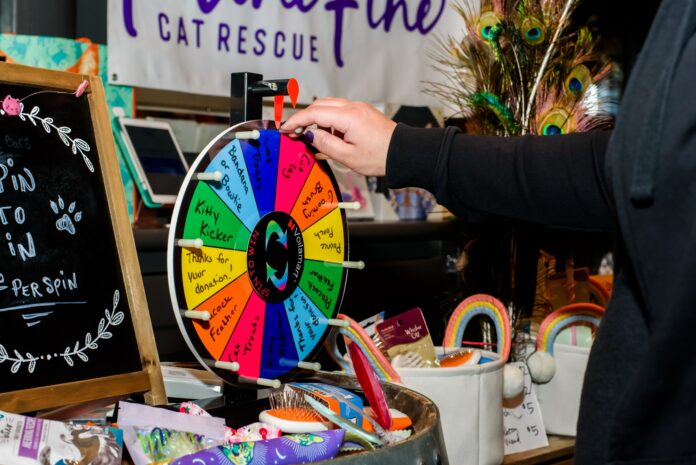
column 553, row 180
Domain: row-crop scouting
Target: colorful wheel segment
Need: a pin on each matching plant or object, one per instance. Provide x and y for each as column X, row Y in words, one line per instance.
column 270, row 272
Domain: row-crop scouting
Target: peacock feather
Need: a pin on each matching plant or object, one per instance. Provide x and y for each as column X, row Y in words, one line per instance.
column 523, row 68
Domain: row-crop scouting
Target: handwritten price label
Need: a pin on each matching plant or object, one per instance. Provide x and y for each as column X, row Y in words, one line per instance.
column 524, row 426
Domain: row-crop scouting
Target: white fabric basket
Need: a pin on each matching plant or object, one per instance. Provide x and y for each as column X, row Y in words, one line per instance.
column 559, row 399
column 470, row 400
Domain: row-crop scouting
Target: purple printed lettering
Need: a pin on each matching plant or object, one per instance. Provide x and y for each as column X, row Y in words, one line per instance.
column 241, row 39
column 338, row 6
column 313, row 49
column 182, row 33
column 379, row 15
column 297, row 54
column 223, row 37
column 128, row 18
column 288, row 4
column 278, row 54
column 164, row 18
column 260, row 35
column 393, row 6
column 207, row 6
column 198, row 23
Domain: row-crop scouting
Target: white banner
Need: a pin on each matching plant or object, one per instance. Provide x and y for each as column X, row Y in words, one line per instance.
column 373, row 50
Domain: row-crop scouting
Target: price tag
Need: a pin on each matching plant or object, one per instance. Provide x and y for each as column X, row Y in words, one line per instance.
column 524, row 426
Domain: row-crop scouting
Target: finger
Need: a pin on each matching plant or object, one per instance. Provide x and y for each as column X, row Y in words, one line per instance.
column 292, row 134
column 323, row 116
column 330, row 145
column 331, row 102
column 325, row 102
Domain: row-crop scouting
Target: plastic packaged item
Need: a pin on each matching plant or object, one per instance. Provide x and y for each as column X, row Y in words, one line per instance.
column 132, row 414
column 407, row 332
column 134, row 418
column 35, row 441
column 342, row 422
column 254, row 432
column 287, row 450
column 161, row 446
column 335, row 399
column 191, row 408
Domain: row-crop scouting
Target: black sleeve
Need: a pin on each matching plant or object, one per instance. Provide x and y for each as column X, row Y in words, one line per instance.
column 551, row 180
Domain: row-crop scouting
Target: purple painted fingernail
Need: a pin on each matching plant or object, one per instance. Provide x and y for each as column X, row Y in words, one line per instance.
column 309, row 135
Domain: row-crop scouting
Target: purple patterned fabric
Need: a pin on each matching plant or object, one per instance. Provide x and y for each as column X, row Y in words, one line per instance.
column 287, row 450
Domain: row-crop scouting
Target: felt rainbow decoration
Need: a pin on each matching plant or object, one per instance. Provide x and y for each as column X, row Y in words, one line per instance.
column 479, row 304
column 566, row 316
column 599, row 292
column 358, row 336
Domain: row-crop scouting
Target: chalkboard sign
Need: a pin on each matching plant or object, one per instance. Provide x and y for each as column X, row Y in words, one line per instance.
column 74, row 324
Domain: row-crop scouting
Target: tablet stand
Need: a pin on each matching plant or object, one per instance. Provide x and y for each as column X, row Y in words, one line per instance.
column 145, row 217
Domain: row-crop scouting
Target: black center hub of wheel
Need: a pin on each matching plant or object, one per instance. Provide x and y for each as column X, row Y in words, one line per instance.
column 275, row 256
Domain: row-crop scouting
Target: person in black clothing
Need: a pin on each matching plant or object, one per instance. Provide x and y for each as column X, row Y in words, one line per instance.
column 639, row 180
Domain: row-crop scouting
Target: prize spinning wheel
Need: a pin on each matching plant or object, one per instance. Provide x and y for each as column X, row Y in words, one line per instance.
column 258, row 246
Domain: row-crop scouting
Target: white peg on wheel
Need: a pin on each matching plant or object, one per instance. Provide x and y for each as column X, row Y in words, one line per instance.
column 215, row 176
column 255, row 134
column 230, row 366
column 272, row 383
column 359, row 265
column 196, row 314
column 349, row 205
column 314, row 366
column 338, row 323
column 190, row 243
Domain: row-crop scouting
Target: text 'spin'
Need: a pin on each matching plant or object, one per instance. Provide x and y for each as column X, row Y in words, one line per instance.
column 215, row 176
column 196, row 314
column 190, row 243
column 255, row 134
column 229, row 366
column 272, row 383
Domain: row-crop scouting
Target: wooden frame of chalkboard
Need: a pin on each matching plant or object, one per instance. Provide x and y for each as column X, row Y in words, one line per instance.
column 74, row 321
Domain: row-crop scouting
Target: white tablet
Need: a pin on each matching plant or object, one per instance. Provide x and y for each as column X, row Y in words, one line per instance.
column 155, row 157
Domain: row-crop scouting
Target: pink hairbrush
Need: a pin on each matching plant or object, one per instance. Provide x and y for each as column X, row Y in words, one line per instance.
column 370, row 386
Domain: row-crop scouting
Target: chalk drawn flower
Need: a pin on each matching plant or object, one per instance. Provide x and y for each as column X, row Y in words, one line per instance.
column 69, row 218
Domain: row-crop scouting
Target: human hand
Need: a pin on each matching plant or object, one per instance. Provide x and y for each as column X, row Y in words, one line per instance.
column 354, row 134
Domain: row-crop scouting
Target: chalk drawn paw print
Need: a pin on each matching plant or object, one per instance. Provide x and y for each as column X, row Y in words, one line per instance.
column 69, row 218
